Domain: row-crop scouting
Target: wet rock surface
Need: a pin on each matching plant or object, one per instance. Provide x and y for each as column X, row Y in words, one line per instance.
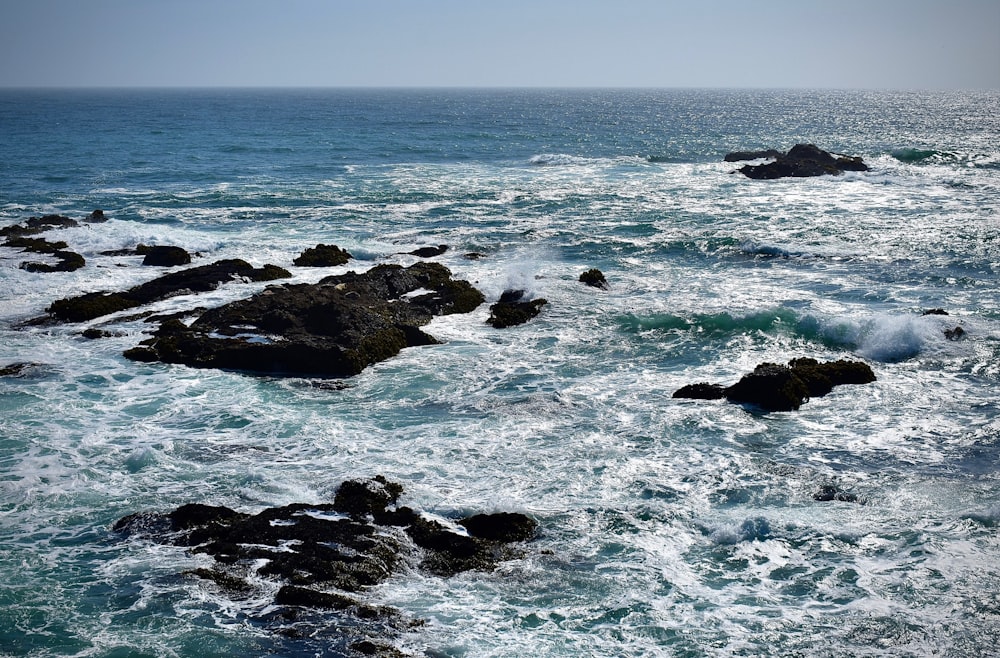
column 776, row 387
column 594, row 278
column 334, row 328
column 802, row 160
column 203, row 278
column 513, row 309
column 323, row 255
column 326, row 557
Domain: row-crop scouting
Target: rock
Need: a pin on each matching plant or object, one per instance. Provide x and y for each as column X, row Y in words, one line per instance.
column 95, row 217
column 775, row 387
column 196, row 279
column 771, row 387
column 429, row 252
column 510, row 310
column 503, row 527
column 334, row 328
column 36, row 225
column 935, row 311
column 804, row 160
column 829, row 492
column 163, row 256
column 324, row 561
column 68, row 262
column 19, row 369
column 594, row 277
column 323, row 255
column 701, row 391
column 954, row 334
column 738, row 156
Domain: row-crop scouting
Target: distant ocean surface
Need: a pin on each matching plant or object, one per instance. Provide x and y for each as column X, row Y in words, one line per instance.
column 667, row 527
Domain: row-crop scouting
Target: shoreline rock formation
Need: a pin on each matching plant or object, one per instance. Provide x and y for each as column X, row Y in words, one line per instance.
column 775, row 387
column 334, row 328
column 800, row 161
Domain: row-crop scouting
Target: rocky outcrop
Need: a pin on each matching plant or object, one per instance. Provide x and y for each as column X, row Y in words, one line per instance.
column 328, row 556
column 775, row 387
column 801, row 160
column 323, row 255
column 740, row 156
column 594, row 278
column 512, row 309
column 204, row 278
column 67, row 260
column 334, row 328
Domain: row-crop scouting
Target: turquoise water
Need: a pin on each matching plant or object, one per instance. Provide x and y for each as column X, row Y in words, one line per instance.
column 668, row 527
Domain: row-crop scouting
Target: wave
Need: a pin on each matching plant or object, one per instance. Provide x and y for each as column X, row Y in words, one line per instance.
column 882, row 338
column 942, row 157
column 913, row 155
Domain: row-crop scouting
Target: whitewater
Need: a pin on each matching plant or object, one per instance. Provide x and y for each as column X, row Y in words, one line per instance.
column 666, row 527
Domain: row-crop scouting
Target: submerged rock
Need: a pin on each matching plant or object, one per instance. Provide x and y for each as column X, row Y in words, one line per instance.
column 328, row 556
column 775, row 387
column 428, row 252
column 801, row 160
column 334, row 328
column 511, row 310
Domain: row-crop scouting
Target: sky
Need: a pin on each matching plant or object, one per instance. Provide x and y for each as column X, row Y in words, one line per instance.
column 856, row 44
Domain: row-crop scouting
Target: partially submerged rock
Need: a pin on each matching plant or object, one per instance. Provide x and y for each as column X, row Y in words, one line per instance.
column 328, row 556
column 594, row 278
column 511, row 309
column 196, row 279
column 775, row 387
column 334, row 328
column 801, row 160
column 428, row 252
column 323, row 255
column 163, row 255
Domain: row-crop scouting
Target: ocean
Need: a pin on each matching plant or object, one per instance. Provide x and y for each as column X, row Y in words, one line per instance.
column 666, row 527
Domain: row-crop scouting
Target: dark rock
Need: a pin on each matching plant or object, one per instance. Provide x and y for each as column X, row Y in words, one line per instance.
column 701, row 391
column 738, row 156
column 771, row 387
column 473, row 255
column 954, row 334
column 68, row 262
column 804, row 160
column 502, row 527
column 323, row 561
column 16, row 369
column 36, row 225
column 164, row 256
column 35, row 245
column 323, row 255
column 429, row 252
column 196, row 279
column 95, row 217
column 829, row 492
column 510, row 310
column 594, row 277
column 334, row 328
column 935, row 311
column 775, row 387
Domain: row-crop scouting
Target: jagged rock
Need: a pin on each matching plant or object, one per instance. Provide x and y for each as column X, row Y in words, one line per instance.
column 804, row 160
column 595, row 278
column 324, row 560
column 163, row 255
column 775, row 387
column 68, row 262
column 935, row 311
column 196, row 279
column 17, row 369
column 954, row 334
column 323, row 255
column 95, row 217
column 334, row 328
column 510, row 310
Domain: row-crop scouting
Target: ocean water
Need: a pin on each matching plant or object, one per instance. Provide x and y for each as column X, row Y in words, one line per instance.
column 666, row 527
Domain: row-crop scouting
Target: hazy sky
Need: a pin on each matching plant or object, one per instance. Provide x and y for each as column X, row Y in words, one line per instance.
column 899, row 44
